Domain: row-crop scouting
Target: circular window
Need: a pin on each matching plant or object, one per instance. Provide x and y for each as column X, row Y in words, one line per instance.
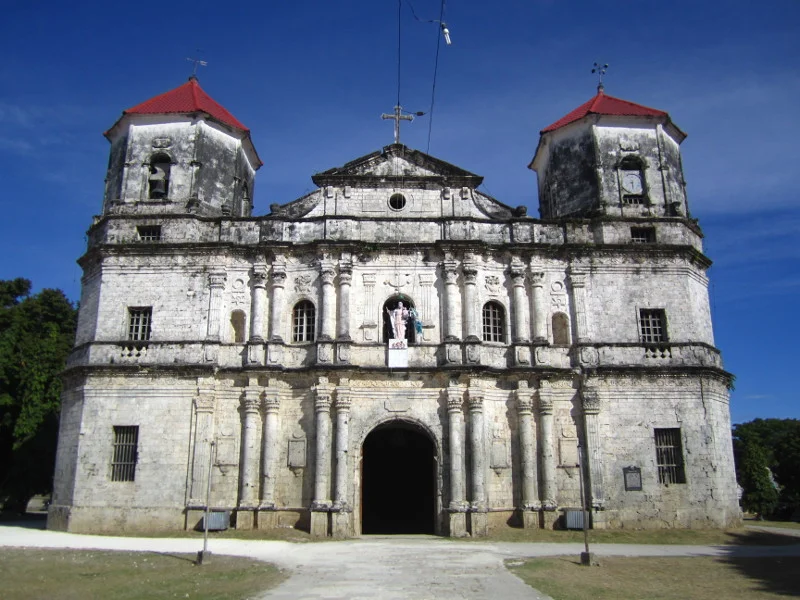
column 397, row 201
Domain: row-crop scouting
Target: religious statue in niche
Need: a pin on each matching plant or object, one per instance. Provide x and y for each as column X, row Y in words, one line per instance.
column 401, row 320
column 397, row 319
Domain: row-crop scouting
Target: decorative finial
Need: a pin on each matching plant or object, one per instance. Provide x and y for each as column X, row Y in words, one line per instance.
column 398, row 116
column 197, row 63
column 600, row 70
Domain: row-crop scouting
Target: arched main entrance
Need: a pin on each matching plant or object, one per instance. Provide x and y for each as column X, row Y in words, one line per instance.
column 398, row 480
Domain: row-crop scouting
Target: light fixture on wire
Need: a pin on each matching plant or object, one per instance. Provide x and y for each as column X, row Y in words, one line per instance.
column 446, row 33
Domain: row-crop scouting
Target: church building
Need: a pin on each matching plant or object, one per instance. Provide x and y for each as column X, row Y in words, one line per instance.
column 396, row 351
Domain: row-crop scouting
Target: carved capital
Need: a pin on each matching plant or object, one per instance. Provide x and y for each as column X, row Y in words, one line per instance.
column 343, row 400
column 278, row 276
column 346, row 277
column 271, row 401
column 204, row 401
column 250, row 401
column 577, row 279
column 475, row 400
column 524, row 401
column 537, row 278
column 217, row 280
column 455, row 399
column 545, row 402
column 328, row 275
column 259, row 276
column 590, row 399
column 322, row 398
column 470, row 274
column 517, row 276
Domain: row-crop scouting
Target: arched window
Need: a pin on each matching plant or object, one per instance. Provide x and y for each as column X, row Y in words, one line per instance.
column 237, row 326
column 158, row 180
column 560, row 324
column 494, row 317
column 304, row 318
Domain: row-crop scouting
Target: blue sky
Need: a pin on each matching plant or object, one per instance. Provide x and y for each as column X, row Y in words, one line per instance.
column 311, row 78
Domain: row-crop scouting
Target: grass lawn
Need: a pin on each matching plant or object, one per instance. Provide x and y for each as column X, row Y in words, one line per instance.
column 81, row 574
column 705, row 537
column 782, row 524
column 699, row 578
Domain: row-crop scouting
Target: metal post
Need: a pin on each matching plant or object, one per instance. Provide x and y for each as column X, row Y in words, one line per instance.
column 204, row 552
column 586, row 556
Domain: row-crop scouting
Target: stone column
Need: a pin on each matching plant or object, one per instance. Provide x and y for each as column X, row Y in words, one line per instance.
column 203, row 436
column 452, row 332
column 248, row 468
column 470, row 301
column 216, row 284
column 269, row 445
column 577, row 280
column 549, row 490
column 259, row 300
column 527, row 442
column 328, row 317
column 455, row 421
column 343, row 320
column 539, row 307
column 341, row 508
column 478, row 520
column 591, row 408
column 518, row 283
column 278, row 284
column 321, row 505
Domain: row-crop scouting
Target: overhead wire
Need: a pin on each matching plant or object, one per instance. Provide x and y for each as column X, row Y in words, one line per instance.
column 433, row 86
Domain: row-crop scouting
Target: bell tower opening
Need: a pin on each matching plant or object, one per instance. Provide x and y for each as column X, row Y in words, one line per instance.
column 398, row 481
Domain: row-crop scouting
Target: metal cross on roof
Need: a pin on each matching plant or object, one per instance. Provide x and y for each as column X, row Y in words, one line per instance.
column 197, row 62
column 399, row 116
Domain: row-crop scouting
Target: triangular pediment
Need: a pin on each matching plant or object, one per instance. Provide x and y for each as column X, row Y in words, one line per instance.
column 397, row 162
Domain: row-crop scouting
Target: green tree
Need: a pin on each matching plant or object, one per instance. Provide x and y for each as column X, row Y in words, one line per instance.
column 780, row 442
column 36, row 335
column 760, row 495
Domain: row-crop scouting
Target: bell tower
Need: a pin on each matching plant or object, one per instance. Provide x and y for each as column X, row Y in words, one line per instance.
column 611, row 157
column 180, row 152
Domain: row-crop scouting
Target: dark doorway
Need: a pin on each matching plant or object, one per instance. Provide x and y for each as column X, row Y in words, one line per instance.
column 397, row 481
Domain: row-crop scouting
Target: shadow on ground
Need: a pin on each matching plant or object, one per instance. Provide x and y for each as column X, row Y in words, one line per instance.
column 773, row 574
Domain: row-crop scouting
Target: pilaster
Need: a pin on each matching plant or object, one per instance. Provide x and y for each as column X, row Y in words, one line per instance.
column 549, row 492
column 457, row 507
column 320, row 507
column 590, row 399
column 478, row 509
column 527, row 442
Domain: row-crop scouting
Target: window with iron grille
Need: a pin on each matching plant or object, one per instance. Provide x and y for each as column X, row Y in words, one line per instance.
column 653, row 325
column 493, row 322
column 139, row 320
column 669, row 456
column 303, row 320
column 149, row 233
column 643, row 235
column 126, row 442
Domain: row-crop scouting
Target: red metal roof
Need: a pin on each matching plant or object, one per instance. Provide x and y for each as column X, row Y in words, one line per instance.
column 188, row 98
column 602, row 104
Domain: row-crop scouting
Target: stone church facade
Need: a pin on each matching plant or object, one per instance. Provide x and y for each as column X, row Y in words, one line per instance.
column 252, row 363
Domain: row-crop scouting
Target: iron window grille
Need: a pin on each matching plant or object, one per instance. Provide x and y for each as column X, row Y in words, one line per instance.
column 633, row 199
column 669, row 456
column 493, row 321
column 652, row 325
column 303, row 321
column 126, row 442
column 643, row 235
column 139, row 322
column 149, row 233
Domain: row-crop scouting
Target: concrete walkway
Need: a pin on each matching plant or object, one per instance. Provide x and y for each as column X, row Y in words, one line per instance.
column 386, row 567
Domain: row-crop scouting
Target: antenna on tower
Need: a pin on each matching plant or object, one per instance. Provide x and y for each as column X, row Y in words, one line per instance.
column 600, row 70
column 197, row 63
